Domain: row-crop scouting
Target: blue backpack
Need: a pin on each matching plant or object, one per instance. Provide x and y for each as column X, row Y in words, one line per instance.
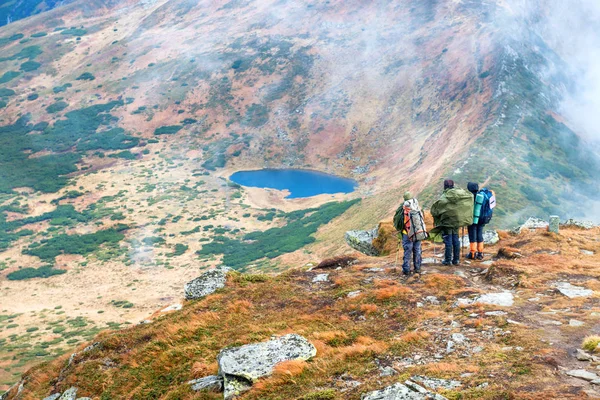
column 487, row 208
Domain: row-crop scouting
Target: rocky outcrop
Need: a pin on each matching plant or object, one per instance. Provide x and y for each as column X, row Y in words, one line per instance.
column 207, row 283
column 363, row 241
column 407, row 391
column 242, row 366
column 69, row 394
column 53, row 396
column 570, row 223
column 490, row 238
column 532, row 223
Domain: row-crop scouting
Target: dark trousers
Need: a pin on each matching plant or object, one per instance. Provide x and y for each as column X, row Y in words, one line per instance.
column 476, row 233
column 411, row 250
column 452, row 245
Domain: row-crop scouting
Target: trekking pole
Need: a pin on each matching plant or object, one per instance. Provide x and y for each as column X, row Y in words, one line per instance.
column 462, row 240
column 397, row 252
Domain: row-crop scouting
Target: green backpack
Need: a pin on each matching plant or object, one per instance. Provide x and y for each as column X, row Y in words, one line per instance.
column 454, row 209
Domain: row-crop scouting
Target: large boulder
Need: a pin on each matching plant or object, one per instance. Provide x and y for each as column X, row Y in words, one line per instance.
column 490, row 237
column 572, row 223
column 205, row 284
column 69, row 394
column 532, row 223
column 363, row 241
column 242, row 366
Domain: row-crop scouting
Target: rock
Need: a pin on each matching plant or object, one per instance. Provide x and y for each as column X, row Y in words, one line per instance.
column 320, row 278
column 172, row 307
column 449, row 347
column 583, row 374
column 428, row 260
column 566, row 289
column 362, row 241
column 242, row 366
column 574, row 322
column 399, row 391
column 374, row 270
column 477, row 349
column 490, row 237
column 387, row 371
column 69, row 394
column 51, row 397
column 587, row 252
column 497, row 299
column 513, row 322
column 532, row 223
column 432, row 300
column 578, row 224
column 554, row 224
column 210, row 383
column 205, row 284
column 582, row 355
column 84, row 398
column 495, row 313
column 354, row 294
column 435, row 383
column 459, row 338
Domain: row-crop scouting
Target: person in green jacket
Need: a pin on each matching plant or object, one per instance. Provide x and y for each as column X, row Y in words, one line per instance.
column 449, row 232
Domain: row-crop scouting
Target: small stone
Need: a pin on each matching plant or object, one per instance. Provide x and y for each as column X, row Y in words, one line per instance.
column 455, row 324
column 483, row 385
column 474, row 315
column 495, row 313
column 209, row 383
column 459, row 338
column 551, row 322
column 477, row 349
column 571, row 291
column 375, row 270
column 172, row 307
column 387, row 371
column 320, row 278
column 354, row 294
column 432, row 299
column 574, row 322
column 587, row 252
column 497, row 299
column 449, row 347
column 510, row 321
column 420, row 305
column 583, row 374
column 53, row 396
column 428, row 260
column 582, row 355
column 534, row 299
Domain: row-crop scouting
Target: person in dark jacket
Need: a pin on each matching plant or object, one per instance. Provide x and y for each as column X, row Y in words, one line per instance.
column 475, row 230
column 450, row 237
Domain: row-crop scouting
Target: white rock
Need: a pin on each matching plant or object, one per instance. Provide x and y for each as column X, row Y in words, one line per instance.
column 53, row 396
column 534, row 299
column 375, row 270
column 435, row 383
column 477, row 349
column 583, row 374
column 505, row 299
column 428, row 260
column 551, row 322
column 449, row 347
column 172, row 307
column 387, row 371
column 354, row 294
column 432, row 299
column 399, row 391
column 571, row 291
column 459, row 338
column 510, row 321
column 495, row 313
column 574, row 322
column 587, row 252
column 321, row 278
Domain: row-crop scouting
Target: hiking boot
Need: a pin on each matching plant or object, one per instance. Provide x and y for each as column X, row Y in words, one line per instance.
column 479, row 256
column 417, row 271
column 455, row 262
column 446, row 262
column 406, row 274
column 470, row 256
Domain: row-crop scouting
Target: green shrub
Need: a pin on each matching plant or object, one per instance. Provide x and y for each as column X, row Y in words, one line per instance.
column 56, row 107
column 86, row 76
column 29, row 66
column 62, row 88
column 327, row 394
column 33, row 96
column 179, row 250
column 2, row 104
column 9, row 76
column 30, row 52
column 256, row 115
column 39, row 34
column 274, row 242
column 6, row 92
column 74, row 32
column 127, row 155
column 168, row 130
column 29, row 273
column 85, row 244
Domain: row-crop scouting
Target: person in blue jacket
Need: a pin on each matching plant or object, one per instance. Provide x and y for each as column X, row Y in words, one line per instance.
column 476, row 229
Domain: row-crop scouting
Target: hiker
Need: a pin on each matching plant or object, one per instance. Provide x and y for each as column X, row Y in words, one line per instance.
column 409, row 221
column 452, row 211
column 485, row 201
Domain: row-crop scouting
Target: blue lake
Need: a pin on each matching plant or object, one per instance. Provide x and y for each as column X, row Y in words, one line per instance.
column 300, row 182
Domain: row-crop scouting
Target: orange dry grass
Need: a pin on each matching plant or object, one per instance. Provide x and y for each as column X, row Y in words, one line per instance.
column 414, row 336
column 240, row 306
column 329, row 335
column 443, row 367
column 443, row 283
column 392, row 292
column 289, row 368
column 362, row 345
column 200, row 369
column 368, row 308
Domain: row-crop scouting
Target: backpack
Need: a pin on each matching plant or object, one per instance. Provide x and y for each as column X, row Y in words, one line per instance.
column 487, row 206
column 417, row 231
column 454, row 209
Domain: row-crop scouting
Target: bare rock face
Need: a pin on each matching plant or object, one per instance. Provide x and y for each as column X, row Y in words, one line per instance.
column 207, row 283
column 209, row 383
column 242, row 366
column 69, row 394
column 53, row 397
column 572, row 291
column 363, row 241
